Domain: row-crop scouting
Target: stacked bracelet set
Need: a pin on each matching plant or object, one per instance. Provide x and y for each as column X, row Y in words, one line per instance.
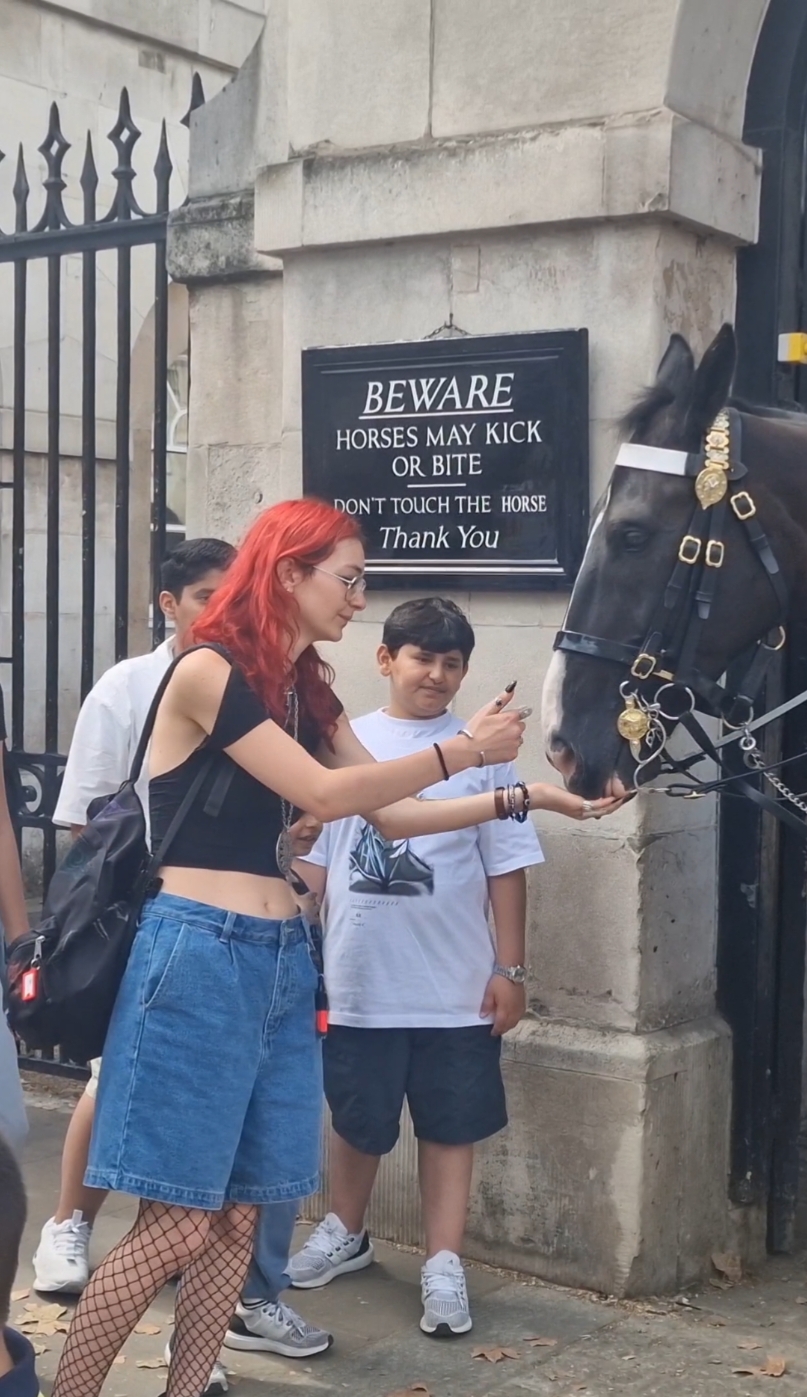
column 507, row 803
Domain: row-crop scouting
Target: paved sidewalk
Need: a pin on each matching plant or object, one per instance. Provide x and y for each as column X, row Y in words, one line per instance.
column 665, row 1348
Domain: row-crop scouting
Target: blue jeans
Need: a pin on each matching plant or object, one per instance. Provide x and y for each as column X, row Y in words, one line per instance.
column 211, row 1083
column 270, row 1254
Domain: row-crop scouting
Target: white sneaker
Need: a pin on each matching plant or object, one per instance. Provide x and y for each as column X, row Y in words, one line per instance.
column 445, row 1296
column 62, row 1259
column 272, row 1327
column 217, row 1383
column 330, row 1251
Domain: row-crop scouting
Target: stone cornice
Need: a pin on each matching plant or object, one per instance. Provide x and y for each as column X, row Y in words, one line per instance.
column 656, row 164
column 213, row 239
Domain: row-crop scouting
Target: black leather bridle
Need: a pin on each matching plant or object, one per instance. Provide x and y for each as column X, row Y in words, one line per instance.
column 671, row 642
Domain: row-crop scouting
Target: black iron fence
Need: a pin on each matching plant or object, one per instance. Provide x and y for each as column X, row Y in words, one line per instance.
column 52, row 665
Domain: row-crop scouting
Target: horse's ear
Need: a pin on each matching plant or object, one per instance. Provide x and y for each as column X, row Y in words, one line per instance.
column 712, row 381
column 677, row 368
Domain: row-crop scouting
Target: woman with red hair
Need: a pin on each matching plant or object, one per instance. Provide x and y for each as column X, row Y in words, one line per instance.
column 210, row 1097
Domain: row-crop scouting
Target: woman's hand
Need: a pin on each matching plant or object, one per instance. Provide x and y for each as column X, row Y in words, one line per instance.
column 563, row 802
column 492, row 733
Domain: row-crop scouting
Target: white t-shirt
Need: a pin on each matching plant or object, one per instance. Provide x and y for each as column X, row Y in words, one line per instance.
column 107, row 732
column 407, row 940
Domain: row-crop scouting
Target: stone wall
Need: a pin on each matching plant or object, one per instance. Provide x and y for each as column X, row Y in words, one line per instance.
column 501, row 167
column 80, row 55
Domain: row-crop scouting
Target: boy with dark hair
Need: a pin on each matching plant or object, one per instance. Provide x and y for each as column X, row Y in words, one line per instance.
column 17, row 1373
column 420, row 992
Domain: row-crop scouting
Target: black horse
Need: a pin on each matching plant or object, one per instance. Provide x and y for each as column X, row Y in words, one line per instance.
column 674, row 584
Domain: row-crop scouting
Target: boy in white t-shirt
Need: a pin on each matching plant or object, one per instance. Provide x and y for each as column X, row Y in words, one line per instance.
column 420, row 992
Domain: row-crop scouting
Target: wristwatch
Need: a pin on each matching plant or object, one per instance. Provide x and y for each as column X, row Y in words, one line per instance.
column 516, row 974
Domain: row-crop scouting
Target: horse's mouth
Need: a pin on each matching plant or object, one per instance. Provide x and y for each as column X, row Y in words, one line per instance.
column 590, row 780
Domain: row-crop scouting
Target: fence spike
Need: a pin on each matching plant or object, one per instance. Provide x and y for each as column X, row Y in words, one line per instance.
column 53, row 148
column 163, row 169
column 197, row 99
column 89, row 181
column 21, row 191
column 124, row 137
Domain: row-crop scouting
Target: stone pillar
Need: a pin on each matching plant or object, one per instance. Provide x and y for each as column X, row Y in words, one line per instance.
column 500, row 166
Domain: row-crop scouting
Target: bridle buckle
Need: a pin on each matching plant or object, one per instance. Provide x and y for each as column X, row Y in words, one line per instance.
column 689, row 549
column 743, row 505
column 643, row 666
column 715, row 553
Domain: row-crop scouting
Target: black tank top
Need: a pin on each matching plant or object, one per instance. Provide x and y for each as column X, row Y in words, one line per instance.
column 240, row 835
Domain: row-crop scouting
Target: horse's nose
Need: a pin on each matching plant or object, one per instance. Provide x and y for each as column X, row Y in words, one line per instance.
column 561, row 754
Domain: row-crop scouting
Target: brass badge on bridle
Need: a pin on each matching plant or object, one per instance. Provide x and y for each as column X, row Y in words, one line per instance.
column 633, row 723
column 712, row 482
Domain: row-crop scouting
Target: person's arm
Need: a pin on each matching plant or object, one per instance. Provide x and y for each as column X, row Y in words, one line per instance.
column 508, row 900
column 99, row 756
column 193, row 700
column 315, row 875
column 410, row 817
column 13, row 913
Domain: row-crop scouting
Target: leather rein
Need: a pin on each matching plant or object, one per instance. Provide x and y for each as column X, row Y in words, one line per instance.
column 664, row 685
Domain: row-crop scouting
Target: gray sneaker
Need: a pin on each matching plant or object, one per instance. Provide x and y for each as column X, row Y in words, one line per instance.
column 217, row 1383
column 329, row 1252
column 445, row 1297
column 272, row 1327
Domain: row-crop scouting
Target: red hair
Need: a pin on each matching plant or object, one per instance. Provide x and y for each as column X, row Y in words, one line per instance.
column 255, row 618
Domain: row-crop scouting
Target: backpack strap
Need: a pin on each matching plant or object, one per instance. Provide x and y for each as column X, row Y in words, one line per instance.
column 148, row 726
column 159, row 856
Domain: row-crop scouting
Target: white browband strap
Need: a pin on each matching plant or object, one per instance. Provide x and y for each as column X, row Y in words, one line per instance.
column 652, row 458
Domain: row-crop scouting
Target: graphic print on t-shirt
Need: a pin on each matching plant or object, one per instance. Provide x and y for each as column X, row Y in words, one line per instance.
column 379, row 865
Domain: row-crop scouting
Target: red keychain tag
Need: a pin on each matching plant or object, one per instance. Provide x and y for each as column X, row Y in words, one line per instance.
column 29, row 985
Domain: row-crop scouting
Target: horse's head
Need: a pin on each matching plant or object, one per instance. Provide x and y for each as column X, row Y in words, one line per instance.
column 633, row 552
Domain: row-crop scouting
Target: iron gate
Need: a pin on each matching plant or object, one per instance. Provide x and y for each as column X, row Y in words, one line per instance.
column 78, row 269
column 763, row 912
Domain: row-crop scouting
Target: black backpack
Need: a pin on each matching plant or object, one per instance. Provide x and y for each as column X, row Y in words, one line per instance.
column 63, row 977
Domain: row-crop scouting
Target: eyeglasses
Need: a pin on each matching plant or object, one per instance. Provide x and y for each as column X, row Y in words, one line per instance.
column 354, row 586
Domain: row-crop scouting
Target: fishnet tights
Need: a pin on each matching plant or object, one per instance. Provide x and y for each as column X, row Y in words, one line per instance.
column 212, row 1250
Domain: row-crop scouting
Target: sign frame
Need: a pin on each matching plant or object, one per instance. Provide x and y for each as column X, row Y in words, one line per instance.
column 458, row 353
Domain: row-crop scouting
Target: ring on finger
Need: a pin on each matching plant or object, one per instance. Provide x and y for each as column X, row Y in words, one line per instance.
column 587, row 807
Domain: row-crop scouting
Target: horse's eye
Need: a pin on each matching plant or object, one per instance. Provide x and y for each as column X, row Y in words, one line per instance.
column 633, row 539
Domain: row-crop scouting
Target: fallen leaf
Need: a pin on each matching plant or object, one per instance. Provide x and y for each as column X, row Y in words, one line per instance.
column 719, row 1285
column 405, row 1391
column 151, row 1363
column 729, row 1265
column 148, row 1329
column 749, row 1344
column 39, row 1349
column 20, row 1294
column 627, row 1357
column 116, row 1362
column 536, row 1342
column 774, row 1368
column 45, row 1312
column 495, row 1354
column 801, row 1299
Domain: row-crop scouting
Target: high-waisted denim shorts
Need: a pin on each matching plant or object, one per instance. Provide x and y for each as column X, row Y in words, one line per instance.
column 211, row 1083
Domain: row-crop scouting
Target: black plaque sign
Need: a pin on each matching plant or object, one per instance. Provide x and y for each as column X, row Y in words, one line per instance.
column 465, row 460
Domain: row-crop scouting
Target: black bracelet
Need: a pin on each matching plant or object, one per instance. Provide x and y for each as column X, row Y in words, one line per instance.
column 438, row 749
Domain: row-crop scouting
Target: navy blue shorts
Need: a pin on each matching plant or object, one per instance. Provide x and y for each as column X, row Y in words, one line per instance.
column 450, row 1077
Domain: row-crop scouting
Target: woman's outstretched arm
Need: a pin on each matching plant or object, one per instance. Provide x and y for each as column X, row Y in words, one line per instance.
column 191, row 705
column 409, row 817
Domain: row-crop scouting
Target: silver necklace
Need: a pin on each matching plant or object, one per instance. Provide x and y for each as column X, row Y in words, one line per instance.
column 284, row 853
